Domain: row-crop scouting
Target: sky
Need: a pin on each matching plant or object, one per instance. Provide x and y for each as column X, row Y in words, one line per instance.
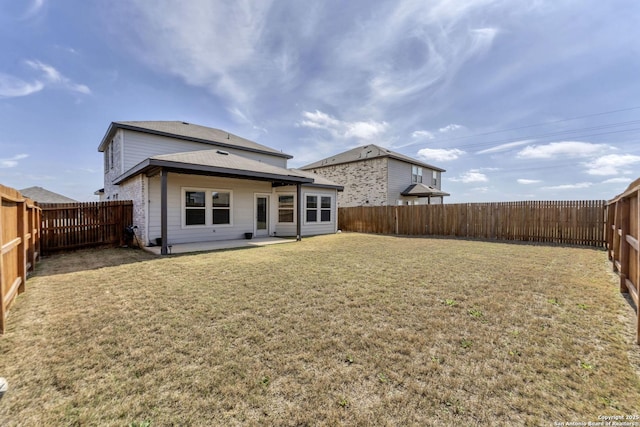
column 516, row 100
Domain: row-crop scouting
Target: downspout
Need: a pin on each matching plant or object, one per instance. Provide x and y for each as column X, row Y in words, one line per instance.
column 163, row 211
column 299, row 202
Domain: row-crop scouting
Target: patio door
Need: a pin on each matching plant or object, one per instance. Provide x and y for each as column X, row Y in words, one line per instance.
column 262, row 215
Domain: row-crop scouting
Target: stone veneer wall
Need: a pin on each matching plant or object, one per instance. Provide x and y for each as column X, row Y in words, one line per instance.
column 365, row 182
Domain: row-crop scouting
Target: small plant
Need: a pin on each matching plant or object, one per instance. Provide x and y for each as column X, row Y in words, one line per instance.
column 265, row 380
column 465, row 343
column 586, row 366
column 343, row 402
column 382, row 377
column 515, row 352
column 349, row 359
column 450, row 302
column 474, row 312
column 145, row 423
column 437, row 359
column 583, row 306
column 553, row 301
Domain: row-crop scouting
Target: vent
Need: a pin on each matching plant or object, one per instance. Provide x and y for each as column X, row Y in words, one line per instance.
column 224, row 153
column 185, row 123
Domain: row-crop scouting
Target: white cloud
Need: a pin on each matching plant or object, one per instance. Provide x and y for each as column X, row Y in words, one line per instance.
column 12, row 162
column 55, row 78
column 611, row 164
column 440, row 154
column 35, row 7
column 342, row 129
column 528, row 181
column 617, row 180
column 569, row 186
column 11, row 87
column 449, row 128
column 473, row 175
column 422, row 134
column 562, row 149
column 504, row 147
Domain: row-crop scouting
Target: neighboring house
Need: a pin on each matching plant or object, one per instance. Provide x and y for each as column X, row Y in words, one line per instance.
column 192, row 183
column 374, row 176
column 42, row 195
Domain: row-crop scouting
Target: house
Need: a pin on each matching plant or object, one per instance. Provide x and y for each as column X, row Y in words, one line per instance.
column 42, row 195
column 374, row 176
column 192, row 183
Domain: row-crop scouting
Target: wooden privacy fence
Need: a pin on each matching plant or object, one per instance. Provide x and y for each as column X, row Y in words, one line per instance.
column 68, row 226
column 623, row 235
column 20, row 243
column 563, row 222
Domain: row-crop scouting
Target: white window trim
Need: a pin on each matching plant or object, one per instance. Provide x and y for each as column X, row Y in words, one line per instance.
column 208, row 208
column 319, row 209
column 295, row 211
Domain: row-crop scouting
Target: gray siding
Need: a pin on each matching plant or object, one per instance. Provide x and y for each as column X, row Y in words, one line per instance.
column 312, row 229
column 140, row 146
column 399, row 180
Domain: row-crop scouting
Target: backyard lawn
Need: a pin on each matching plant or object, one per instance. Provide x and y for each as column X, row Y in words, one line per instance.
column 347, row 329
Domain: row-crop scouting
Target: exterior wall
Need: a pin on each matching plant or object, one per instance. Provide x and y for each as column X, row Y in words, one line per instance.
column 139, row 146
column 365, row 182
column 242, row 208
column 285, row 229
column 312, row 229
column 135, row 190
column 400, row 179
column 113, row 167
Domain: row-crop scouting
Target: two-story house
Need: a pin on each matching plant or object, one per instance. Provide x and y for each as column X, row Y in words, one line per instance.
column 374, row 176
column 191, row 183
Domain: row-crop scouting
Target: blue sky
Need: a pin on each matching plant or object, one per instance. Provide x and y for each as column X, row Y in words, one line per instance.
column 517, row 100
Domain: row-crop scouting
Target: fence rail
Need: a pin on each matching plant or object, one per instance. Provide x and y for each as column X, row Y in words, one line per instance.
column 19, row 243
column 564, row 222
column 67, row 226
column 623, row 235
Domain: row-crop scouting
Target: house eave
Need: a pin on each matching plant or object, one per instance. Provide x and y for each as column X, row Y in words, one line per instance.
column 152, row 166
column 114, row 126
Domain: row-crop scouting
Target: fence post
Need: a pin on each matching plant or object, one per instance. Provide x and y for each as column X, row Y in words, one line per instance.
column 22, row 249
column 624, row 245
column 2, row 280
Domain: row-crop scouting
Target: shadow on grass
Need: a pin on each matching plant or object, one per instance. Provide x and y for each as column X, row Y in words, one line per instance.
column 89, row 259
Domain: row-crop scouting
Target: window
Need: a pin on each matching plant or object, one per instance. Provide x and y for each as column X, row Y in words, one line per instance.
column 204, row 207
column 318, row 208
column 221, row 207
column 325, row 209
column 416, row 174
column 312, row 208
column 111, row 154
column 195, row 212
column 435, row 178
column 285, row 208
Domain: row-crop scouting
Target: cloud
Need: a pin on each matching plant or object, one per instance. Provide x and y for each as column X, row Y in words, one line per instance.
column 449, row 128
column 504, row 147
column 12, row 87
column 35, row 7
column 342, row 129
column 562, row 149
column 440, row 154
column 12, row 162
column 55, row 78
column 422, row 134
column 577, row 186
column 617, row 180
column 473, row 175
column 528, row 181
column 611, row 164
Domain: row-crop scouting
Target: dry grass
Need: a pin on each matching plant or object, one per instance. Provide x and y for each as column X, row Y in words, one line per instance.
column 346, row 329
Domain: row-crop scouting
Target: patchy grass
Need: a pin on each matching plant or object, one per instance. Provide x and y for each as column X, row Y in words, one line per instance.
column 346, row 329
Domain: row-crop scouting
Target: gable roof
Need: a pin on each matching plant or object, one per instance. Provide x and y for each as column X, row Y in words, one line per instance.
column 222, row 163
column 422, row 190
column 190, row 132
column 365, row 152
column 42, row 195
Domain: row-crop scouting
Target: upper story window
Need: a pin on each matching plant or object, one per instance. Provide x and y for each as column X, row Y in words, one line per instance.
column 416, row 174
column 435, row 178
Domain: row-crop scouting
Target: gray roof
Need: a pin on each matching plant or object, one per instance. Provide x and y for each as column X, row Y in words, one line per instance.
column 365, row 152
column 422, row 190
column 190, row 132
column 221, row 163
column 42, row 195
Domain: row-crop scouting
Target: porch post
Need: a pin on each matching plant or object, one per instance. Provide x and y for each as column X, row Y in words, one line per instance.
column 299, row 222
column 163, row 211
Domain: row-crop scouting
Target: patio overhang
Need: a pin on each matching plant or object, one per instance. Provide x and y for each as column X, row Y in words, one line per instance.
column 422, row 190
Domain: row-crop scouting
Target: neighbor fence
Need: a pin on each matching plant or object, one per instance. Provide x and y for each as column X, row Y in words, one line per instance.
column 20, row 243
column 563, row 222
column 68, row 226
column 623, row 236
